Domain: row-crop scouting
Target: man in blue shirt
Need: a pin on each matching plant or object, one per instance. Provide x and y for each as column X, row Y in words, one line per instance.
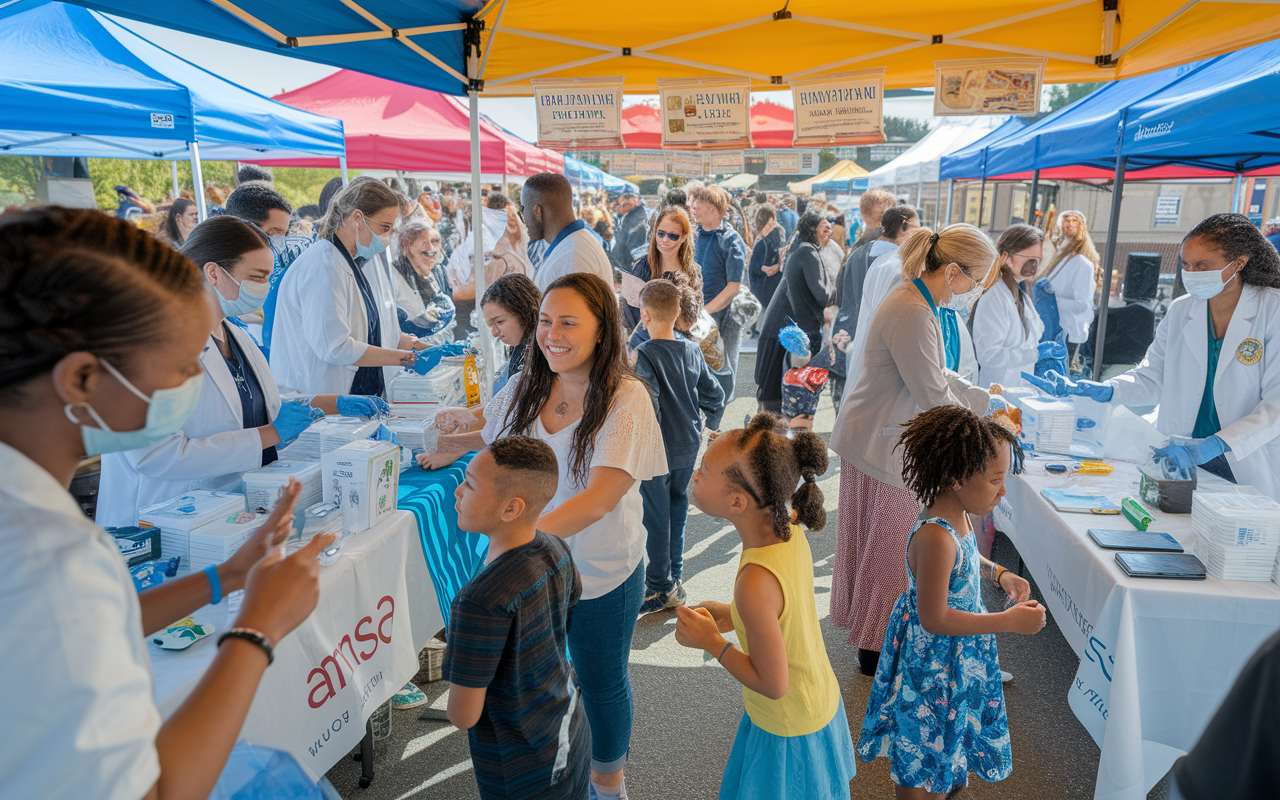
column 722, row 255
column 787, row 217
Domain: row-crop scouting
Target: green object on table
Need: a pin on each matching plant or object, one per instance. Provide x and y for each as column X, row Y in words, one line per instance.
column 1135, row 513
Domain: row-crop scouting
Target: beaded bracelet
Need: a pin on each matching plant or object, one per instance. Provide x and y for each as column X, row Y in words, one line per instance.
column 250, row 635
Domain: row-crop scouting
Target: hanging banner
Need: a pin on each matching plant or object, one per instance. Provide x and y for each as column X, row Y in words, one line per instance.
column 791, row 162
column 686, row 165
column 579, row 114
column 705, row 114
column 842, row 109
column 654, row 163
column 753, row 161
column 725, row 163
column 623, row 163
column 987, row 86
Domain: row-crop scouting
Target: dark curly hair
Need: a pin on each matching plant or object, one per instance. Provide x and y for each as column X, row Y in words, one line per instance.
column 519, row 296
column 947, row 445
column 1234, row 235
column 775, row 464
column 807, row 227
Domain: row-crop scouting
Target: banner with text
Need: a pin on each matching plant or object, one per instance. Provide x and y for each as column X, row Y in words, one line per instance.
column 581, row 114
column 842, row 109
column 792, row 162
column 708, row 113
column 686, row 165
column 987, row 86
column 623, row 163
column 724, row 163
column 651, row 163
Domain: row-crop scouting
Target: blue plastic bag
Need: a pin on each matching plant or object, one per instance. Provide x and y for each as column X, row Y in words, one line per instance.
column 261, row 773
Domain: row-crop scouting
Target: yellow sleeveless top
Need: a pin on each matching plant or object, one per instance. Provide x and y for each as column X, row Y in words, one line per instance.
column 812, row 692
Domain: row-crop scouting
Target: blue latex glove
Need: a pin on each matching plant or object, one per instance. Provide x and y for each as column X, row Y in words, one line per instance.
column 1043, row 286
column 294, row 418
column 1051, row 383
column 427, row 359
column 1175, row 461
column 1201, row 451
column 359, row 405
column 384, row 434
column 1054, row 384
column 997, row 403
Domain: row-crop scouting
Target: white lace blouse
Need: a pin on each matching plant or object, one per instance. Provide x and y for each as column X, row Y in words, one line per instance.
column 609, row 550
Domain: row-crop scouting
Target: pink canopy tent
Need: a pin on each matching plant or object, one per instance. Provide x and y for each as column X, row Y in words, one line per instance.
column 393, row 126
column 772, row 125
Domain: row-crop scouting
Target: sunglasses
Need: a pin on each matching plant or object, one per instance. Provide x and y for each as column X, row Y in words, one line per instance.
column 673, row 237
column 832, row 220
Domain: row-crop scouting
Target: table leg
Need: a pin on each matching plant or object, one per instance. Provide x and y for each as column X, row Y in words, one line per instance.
column 366, row 756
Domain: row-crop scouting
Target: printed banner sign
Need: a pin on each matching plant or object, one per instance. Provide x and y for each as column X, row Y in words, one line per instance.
column 792, row 162
column 623, row 163
column 753, row 161
column 580, row 114
column 651, row 163
column 708, row 113
column 687, row 165
column 842, row 109
column 987, row 86
column 724, row 163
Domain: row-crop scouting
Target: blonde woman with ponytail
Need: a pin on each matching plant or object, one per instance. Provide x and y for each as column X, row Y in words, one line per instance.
column 903, row 373
column 1071, row 278
column 336, row 328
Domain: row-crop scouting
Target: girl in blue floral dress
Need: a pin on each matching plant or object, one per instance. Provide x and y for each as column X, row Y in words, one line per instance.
column 936, row 708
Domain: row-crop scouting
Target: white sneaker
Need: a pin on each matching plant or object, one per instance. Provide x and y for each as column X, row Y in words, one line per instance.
column 1005, row 677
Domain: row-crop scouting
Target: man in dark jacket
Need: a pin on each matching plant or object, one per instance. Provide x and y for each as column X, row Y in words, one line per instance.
column 630, row 232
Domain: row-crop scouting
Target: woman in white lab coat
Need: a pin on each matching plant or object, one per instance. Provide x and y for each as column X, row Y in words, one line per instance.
column 1214, row 367
column 336, row 328
column 1006, row 328
column 238, row 420
column 1070, row 280
column 102, row 326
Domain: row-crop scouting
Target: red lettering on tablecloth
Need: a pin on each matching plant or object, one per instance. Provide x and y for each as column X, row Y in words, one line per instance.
column 319, row 693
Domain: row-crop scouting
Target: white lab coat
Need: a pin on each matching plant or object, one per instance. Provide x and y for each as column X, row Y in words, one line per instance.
column 1073, row 286
column 212, row 451
column 1006, row 345
column 1247, row 396
column 321, row 326
column 883, row 276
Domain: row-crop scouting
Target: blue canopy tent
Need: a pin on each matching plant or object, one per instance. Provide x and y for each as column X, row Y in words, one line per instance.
column 75, row 83
column 968, row 160
column 582, row 175
column 842, row 186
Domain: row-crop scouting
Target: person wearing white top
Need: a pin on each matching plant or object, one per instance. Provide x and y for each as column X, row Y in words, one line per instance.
column 103, row 359
column 1006, row 328
column 1070, row 277
column 577, row 395
column 547, row 199
column 336, row 328
column 238, row 420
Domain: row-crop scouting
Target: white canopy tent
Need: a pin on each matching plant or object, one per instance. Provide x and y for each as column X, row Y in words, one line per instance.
column 920, row 163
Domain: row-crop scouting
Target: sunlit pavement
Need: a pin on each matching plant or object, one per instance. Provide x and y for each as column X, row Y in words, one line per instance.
column 687, row 707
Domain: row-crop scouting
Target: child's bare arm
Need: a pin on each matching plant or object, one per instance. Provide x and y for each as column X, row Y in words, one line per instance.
column 465, row 705
column 932, row 554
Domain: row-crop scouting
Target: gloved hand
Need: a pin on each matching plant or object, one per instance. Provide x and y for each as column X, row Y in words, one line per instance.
column 1052, row 356
column 1043, row 286
column 997, row 403
column 1197, row 451
column 384, row 434
column 427, row 359
column 359, row 405
column 294, row 418
column 1175, row 461
column 1051, row 383
column 1058, row 386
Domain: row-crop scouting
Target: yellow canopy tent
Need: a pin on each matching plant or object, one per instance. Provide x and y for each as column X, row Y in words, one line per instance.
column 774, row 41
column 841, row 170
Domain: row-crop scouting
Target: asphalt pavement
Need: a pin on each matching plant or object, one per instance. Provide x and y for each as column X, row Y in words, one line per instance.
column 687, row 708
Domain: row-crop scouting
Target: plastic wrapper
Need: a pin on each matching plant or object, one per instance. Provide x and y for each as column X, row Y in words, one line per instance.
column 262, row 487
column 254, row 772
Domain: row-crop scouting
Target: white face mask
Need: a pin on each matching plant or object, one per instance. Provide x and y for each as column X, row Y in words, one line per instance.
column 1207, row 284
column 962, row 301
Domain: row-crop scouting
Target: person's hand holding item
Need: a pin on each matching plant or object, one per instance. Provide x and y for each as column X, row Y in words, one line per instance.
column 281, row 592
column 294, row 418
column 1025, row 617
column 1182, row 454
column 1058, row 386
column 1017, row 587
column 269, row 536
column 453, row 420
column 359, row 405
column 841, row 340
column 384, row 434
column 771, row 270
column 696, row 628
column 720, row 613
column 408, row 360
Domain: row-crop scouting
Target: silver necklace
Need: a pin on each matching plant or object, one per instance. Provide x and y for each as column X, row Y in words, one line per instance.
column 563, row 407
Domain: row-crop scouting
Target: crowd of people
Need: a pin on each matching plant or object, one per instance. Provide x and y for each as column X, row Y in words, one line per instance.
column 187, row 359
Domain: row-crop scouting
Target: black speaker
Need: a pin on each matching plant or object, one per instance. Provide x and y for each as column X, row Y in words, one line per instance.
column 1141, row 276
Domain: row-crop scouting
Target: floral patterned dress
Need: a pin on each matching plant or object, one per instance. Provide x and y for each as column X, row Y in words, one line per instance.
column 936, row 709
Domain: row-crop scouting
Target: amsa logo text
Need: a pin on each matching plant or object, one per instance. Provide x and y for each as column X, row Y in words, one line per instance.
column 161, row 120
column 1152, row 131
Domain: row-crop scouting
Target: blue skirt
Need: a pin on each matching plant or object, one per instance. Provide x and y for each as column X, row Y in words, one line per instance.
column 763, row 766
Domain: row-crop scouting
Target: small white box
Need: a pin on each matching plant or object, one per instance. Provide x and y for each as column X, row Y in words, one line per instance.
column 363, row 478
column 218, row 541
column 176, row 518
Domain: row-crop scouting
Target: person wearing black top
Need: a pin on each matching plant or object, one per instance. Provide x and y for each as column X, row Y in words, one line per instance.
column 764, row 271
column 801, row 298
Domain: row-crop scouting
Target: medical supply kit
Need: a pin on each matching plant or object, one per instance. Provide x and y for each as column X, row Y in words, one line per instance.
column 327, row 435
column 1237, row 534
column 262, row 487
column 178, row 517
column 363, row 479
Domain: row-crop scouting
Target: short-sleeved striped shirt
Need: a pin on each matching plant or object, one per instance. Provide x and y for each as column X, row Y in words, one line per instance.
column 508, row 632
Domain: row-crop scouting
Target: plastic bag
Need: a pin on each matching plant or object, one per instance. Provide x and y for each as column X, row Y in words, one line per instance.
column 453, row 420
column 1091, row 426
column 261, row 773
column 1129, row 437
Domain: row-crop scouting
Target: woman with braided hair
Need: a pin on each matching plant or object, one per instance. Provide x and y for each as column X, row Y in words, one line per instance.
column 1210, row 368
column 101, row 331
column 794, row 739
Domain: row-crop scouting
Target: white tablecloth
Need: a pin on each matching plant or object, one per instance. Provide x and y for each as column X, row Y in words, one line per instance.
column 377, row 608
column 1156, row 656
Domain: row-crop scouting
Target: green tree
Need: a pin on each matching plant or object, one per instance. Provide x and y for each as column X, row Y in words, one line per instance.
column 904, row 129
column 1064, row 94
column 826, row 159
column 19, row 175
column 153, row 180
column 301, row 185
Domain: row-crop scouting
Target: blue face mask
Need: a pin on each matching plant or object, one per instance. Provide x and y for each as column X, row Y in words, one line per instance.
column 167, row 411
column 1206, row 285
column 251, row 297
column 373, row 248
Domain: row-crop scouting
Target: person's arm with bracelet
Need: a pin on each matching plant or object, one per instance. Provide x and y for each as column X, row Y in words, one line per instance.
column 606, row 486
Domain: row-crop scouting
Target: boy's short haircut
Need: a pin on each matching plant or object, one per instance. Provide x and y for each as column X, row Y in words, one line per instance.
column 661, row 298
column 874, row 203
column 534, row 471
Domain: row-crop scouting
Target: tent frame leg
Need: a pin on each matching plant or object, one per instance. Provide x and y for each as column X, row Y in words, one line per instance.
column 1035, row 190
column 342, row 165
column 197, row 180
column 1235, row 193
column 951, row 193
column 477, row 246
column 173, row 168
column 1113, row 233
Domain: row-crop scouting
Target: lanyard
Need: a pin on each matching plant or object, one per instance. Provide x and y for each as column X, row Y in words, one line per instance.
column 928, row 298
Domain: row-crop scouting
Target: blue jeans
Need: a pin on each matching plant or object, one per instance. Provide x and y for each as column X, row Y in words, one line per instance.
column 600, row 633
column 731, row 337
column 666, row 507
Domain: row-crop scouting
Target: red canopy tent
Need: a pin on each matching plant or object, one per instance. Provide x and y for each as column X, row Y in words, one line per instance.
column 393, row 126
column 772, row 125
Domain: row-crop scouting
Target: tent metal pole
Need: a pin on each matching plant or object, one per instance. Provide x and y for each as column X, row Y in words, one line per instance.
column 477, row 245
column 1235, row 193
column 982, row 199
column 197, row 180
column 1035, row 189
column 342, row 165
column 951, row 193
column 1113, row 232
column 173, row 168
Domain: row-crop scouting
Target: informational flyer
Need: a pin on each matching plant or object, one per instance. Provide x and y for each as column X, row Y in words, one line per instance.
column 725, row 163
column 687, row 165
column 624, row 163
column 580, row 113
column 706, row 113
column 988, row 86
column 792, row 162
column 651, row 163
column 842, row 109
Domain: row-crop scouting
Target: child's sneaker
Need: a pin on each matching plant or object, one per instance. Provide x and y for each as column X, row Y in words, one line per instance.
column 408, row 697
column 677, row 595
column 661, row 601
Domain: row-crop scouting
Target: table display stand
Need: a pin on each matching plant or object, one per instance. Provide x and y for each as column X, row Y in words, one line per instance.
column 365, row 756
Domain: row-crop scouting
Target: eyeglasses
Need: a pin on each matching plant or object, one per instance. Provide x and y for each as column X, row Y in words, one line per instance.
column 832, row 220
column 1034, row 263
column 674, row 237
